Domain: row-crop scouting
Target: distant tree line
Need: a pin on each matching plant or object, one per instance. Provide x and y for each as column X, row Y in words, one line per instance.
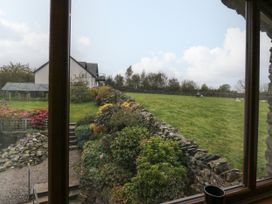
column 160, row 83
column 15, row 73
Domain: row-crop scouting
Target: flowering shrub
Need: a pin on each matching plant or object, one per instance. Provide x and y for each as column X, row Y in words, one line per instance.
column 104, row 108
column 101, row 94
column 96, row 129
column 39, row 118
column 125, row 163
column 125, row 105
column 8, row 113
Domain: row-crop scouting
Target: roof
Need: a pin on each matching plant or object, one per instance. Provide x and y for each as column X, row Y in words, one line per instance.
column 28, row 87
column 266, row 12
column 91, row 68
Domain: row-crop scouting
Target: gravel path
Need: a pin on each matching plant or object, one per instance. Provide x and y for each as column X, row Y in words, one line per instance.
column 14, row 182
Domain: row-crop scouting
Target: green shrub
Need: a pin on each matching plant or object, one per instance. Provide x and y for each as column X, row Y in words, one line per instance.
column 114, row 174
column 82, row 133
column 157, row 150
column 92, row 155
column 92, row 158
column 123, row 118
column 155, row 184
column 126, row 146
column 86, row 120
column 79, row 91
column 106, row 141
column 160, row 174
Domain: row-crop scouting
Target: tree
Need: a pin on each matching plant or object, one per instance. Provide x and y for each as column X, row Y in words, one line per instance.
column 204, row 88
column 144, row 81
column 109, row 81
column 240, row 86
column 224, row 88
column 135, row 81
column 161, row 80
column 173, row 84
column 119, row 81
column 188, row 86
column 79, row 91
column 156, row 80
column 129, row 73
column 15, row 73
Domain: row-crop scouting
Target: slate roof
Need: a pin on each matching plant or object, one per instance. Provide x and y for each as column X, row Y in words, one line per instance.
column 27, row 87
column 91, row 68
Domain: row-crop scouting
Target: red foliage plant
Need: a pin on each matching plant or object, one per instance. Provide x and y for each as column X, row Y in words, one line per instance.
column 39, row 118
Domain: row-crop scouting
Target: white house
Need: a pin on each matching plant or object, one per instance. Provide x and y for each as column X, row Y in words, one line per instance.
column 77, row 69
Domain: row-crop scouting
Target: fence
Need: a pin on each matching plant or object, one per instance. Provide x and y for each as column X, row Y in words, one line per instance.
column 17, row 124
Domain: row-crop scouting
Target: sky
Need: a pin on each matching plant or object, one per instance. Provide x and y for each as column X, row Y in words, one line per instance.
column 193, row 40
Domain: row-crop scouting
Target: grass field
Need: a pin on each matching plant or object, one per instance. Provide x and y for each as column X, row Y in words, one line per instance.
column 215, row 124
column 77, row 110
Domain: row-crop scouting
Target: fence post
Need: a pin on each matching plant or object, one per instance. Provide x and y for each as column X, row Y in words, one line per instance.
column 28, row 176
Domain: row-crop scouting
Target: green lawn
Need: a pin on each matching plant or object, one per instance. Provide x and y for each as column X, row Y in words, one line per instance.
column 77, row 110
column 215, row 124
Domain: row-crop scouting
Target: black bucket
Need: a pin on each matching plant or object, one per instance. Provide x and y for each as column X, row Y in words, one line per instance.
column 214, row 195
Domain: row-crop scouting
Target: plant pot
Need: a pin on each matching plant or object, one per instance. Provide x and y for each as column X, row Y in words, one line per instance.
column 214, row 195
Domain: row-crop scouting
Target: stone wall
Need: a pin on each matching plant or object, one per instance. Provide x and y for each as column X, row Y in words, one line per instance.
column 29, row 150
column 268, row 152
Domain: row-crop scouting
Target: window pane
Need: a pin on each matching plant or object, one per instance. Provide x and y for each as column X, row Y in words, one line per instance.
column 264, row 146
column 184, row 65
column 23, row 99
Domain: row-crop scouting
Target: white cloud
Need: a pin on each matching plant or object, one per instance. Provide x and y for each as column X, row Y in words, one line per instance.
column 213, row 66
column 2, row 13
column 166, row 62
column 84, row 41
column 16, row 27
column 20, row 43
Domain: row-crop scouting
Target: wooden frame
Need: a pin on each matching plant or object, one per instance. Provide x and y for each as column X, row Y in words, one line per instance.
column 59, row 52
column 251, row 190
column 58, row 110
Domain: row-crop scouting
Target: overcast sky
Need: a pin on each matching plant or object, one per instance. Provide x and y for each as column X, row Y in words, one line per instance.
column 184, row 39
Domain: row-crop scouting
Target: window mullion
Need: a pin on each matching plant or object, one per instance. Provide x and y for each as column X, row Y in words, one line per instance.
column 251, row 92
column 58, row 168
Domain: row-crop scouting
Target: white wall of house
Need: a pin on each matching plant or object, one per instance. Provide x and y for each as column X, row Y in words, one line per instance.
column 42, row 75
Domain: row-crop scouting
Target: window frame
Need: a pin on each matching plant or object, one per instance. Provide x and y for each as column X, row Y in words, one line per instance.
column 58, row 109
column 251, row 189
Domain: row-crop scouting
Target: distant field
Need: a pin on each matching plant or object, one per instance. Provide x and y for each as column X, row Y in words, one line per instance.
column 214, row 123
column 77, row 110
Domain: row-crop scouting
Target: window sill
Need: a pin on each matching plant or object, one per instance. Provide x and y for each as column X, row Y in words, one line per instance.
column 236, row 194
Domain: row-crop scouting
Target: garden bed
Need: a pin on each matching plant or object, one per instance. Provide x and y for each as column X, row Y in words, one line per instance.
column 129, row 156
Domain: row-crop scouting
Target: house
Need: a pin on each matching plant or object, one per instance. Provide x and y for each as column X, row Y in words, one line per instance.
column 77, row 69
column 25, row 91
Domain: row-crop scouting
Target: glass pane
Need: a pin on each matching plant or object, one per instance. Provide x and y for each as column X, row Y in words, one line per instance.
column 178, row 122
column 23, row 99
column 264, row 145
